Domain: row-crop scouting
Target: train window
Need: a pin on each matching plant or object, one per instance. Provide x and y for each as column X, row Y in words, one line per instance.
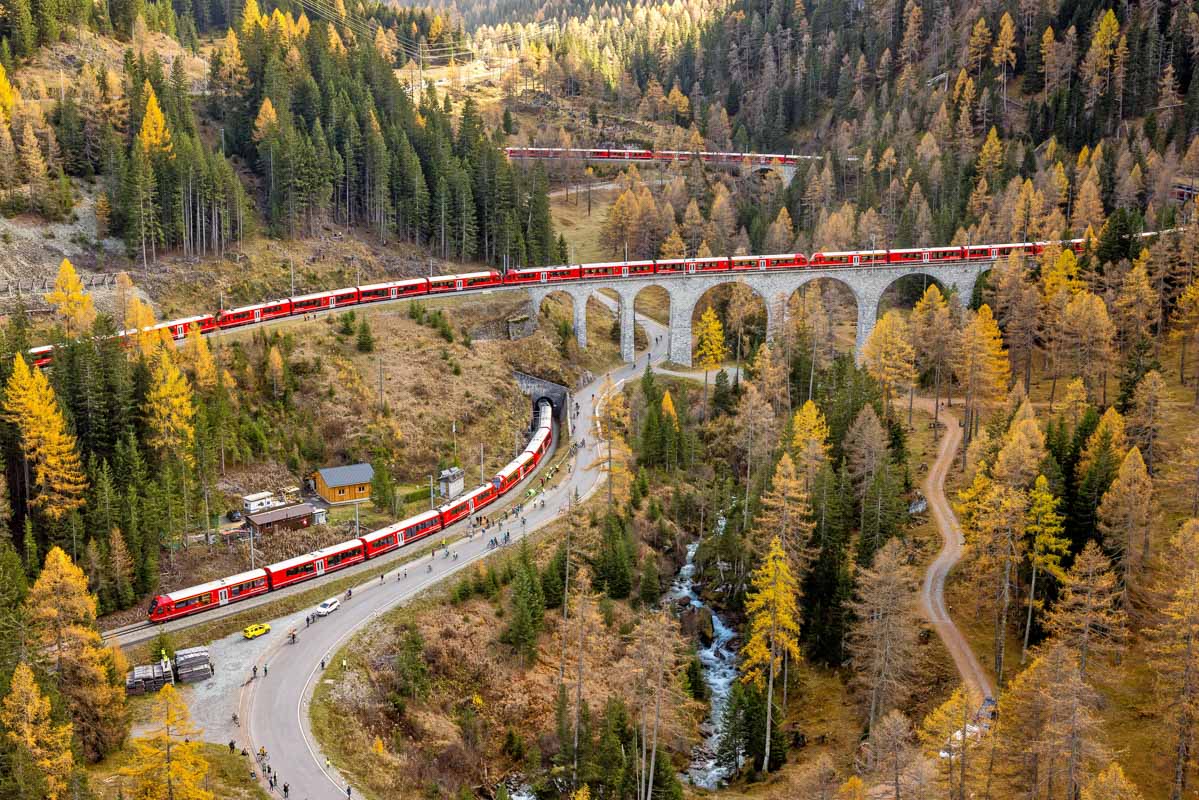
column 302, row 569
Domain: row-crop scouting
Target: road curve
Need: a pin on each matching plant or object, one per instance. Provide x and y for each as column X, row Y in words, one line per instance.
column 932, row 593
column 276, row 703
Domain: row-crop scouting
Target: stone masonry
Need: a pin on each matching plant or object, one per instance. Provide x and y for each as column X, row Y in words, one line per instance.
column 867, row 285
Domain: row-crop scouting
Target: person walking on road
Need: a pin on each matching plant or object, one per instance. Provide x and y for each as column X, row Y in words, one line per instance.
column 254, row 672
column 264, row 670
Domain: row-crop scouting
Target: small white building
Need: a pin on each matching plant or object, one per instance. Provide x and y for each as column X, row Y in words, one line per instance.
column 451, row 482
column 259, row 501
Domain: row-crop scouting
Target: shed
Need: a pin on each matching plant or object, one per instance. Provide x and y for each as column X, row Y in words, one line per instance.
column 253, row 503
column 348, row 484
column 286, row 518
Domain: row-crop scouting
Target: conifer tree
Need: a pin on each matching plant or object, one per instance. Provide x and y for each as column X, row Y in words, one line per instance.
column 981, row 367
column 809, row 443
column 71, row 303
column 1087, row 616
column 1173, row 654
column 168, row 763
column 198, row 357
column 889, row 358
column 932, row 335
column 774, row 622
column 1145, row 421
column 1047, row 545
column 1125, row 517
column 170, row 414
column 40, row 758
column 710, row 350
column 1111, row 784
column 786, row 515
column 62, row 616
column 883, row 643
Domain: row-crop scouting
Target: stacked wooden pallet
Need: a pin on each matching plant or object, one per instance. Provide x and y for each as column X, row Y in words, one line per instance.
column 193, row 664
column 149, row 678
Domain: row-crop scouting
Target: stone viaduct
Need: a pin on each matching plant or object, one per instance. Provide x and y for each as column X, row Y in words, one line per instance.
column 867, row 284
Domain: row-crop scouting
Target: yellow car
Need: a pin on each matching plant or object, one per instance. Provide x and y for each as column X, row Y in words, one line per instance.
column 256, row 630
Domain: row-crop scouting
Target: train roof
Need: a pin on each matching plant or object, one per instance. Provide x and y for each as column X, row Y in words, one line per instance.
column 515, row 463
column 389, row 284
column 465, row 276
column 256, row 306
column 232, row 580
column 315, row 295
column 462, row 498
column 296, row 561
column 402, row 525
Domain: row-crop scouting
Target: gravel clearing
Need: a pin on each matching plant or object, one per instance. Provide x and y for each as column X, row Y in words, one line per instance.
column 214, row 701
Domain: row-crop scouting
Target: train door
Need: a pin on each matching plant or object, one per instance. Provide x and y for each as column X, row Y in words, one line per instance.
column 624, row 271
column 258, row 315
column 691, row 267
column 994, row 252
column 545, row 276
column 222, row 597
column 320, row 566
column 924, row 256
column 857, row 261
column 458, row 285
column 394, row 292
column 761, row 263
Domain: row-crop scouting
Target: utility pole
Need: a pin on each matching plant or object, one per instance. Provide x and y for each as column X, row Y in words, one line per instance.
column 292, row 267
column 430, row 492
column 481, row 478
column 454, row 434
column 381, row 406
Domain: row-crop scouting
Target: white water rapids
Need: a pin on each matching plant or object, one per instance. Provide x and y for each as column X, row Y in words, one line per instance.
column 719, row 661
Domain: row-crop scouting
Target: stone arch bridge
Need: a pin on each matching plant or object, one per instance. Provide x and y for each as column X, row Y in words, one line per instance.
column 867, row 284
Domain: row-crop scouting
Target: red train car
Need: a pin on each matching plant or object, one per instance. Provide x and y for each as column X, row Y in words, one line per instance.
column 849, row 258
column 384, row 540
column 42, row 356
column 323, row 301
column 420, row 526
column 542, row 275
column 467, row 504
column 392, row 290
column 616, row 269
column 249, row 315
column 213, row 594
column 460, row 283
column 318, row 562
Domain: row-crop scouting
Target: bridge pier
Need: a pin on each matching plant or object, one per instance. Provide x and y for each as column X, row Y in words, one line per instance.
column 866, row 284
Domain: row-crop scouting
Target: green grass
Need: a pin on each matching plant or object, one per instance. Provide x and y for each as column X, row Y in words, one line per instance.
column 583, row 232
column 228, row 775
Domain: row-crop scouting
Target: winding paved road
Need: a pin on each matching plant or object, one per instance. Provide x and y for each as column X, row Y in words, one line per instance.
column 276, row 703
column 932, row 593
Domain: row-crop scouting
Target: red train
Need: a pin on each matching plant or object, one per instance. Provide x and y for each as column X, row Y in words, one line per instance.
column 215, row 594
column 488, row 279
column 617, row 154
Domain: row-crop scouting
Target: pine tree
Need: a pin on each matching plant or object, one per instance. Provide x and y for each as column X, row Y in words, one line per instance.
column 933, row 337
column 40, row 758
column 34, row 164
column 980, row 40
column 981, row 366
column 154, row 135
column 1184, row 328
column 120, row 568
column 364, row 341
column 70, row 302
column 8, row 96
column 170, row 414
column 1003, row 55
column 169, row 763
column 62, row 616
column 710, row 350
column 774, row 622
column 1148, row 415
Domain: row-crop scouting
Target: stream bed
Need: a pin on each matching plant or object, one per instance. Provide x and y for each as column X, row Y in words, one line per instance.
column 719, row 662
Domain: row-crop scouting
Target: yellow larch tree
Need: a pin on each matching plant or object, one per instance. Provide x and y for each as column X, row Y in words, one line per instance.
column 981, row 366
column 1088, row 206
column 73, row 305
column 1137, row 306
column 941, row 732
column 169, row 411
column 267, row 120
column 47, row 445
column 198, row 356
column 168, row 763
column 1003, row 55
column 932, row 335
column 786, row 515
column 62, row 617
column 809, row 442
column 889, row 357
column 251, row 17
column 853, row 789
column 1046, row 545
column 1184, row 328
column 1173, row 654
column 40, row 760
column 1020, row 457
column 1126, row 517
column 8, row 96
column 710, row 349
column 980, row 40
column 1087, row 616
column 274, row 363
column 1088, row 333
column 773, row 609
column 154, row 136
column 1111, row 784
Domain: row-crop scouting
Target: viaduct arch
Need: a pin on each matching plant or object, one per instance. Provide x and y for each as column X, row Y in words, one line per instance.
column 867, row 285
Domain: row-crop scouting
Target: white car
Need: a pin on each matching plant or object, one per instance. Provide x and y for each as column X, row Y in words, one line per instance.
column 328, row 607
